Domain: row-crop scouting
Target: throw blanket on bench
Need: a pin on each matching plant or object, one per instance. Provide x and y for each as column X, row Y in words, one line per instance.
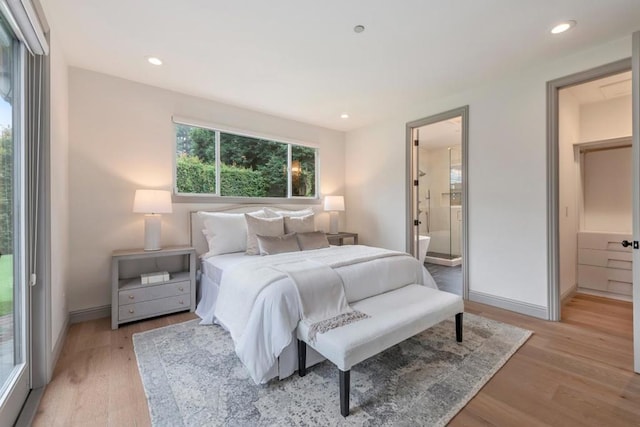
column 323, row 305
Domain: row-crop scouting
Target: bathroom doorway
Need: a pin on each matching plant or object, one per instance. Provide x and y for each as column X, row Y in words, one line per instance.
column 437, row 150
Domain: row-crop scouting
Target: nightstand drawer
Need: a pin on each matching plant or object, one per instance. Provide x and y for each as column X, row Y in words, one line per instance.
column 152, row 292
column 154, row 307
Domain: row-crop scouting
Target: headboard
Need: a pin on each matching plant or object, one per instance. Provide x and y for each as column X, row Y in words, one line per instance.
column 196, row 224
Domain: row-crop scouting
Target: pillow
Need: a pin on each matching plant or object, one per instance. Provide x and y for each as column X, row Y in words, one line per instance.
column 225, row 232
column 273, row 213
column 271, row 245
column 299, row 224
column 313, row 240
column 263, row 227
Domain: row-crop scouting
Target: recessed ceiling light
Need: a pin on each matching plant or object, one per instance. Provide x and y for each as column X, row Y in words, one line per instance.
column 154, row 60
column 563, row 26
column 358, row 28
column 344, row 116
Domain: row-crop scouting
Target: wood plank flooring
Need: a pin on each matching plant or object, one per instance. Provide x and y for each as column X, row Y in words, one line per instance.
column 578, row 372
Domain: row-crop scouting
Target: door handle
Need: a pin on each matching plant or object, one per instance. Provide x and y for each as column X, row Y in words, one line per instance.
column 626, row 243
column 635, row 244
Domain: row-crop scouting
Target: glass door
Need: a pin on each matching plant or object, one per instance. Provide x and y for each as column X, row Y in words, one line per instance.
column 14, row 372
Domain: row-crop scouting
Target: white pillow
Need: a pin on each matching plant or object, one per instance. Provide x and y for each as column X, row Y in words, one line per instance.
column 299, row 224
column 275, row 213
column 263, row 227
column 225, row 232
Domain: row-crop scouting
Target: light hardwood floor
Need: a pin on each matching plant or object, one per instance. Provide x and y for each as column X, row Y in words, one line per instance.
column 577, row 372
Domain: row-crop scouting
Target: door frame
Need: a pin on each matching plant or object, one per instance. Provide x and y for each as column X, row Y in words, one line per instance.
column 553, row 178
column 410, row 170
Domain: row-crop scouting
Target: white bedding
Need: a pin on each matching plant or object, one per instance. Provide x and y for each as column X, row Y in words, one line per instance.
column 262, row 329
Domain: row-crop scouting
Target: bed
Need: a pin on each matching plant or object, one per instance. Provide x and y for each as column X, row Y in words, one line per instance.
column 262, row 319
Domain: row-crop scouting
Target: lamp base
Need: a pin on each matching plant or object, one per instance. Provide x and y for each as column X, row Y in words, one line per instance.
column 152, row 227
column 333, row 222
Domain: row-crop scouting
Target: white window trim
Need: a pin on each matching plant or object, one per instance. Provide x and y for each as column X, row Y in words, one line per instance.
column 217, row 198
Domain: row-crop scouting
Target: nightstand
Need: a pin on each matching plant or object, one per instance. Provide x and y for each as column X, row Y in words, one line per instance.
column 340, row 236
column 131, row 300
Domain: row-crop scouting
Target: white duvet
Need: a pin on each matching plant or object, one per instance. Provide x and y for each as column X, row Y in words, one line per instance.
column 259, row 305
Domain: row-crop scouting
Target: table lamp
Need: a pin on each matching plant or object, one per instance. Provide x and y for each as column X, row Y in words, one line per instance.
column 152, row 203
column 333, row 204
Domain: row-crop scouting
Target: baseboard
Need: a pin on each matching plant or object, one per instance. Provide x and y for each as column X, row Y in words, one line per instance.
column 30, row 408
column 565, row 297
column 57, row 348
column 509, row 304
column 86, row 314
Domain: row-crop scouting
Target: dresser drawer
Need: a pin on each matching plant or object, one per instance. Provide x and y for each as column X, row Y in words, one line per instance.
column 610, row 259
column 605, row 279
column 154, row 307
column 152, row 292
column 603, row 241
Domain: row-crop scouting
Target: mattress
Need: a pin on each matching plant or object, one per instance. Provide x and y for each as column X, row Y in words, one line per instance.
column 212, row 267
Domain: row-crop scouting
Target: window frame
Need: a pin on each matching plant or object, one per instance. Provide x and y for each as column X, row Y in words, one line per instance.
column 178, row 197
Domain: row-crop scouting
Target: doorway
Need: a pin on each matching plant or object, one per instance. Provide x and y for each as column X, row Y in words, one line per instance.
column 595, row 182
column 437, row 187
column 587, row 92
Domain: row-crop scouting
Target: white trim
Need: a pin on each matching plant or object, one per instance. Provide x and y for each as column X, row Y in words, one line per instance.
column 635, row 96
column 86, row 314
column 568, row 294
column 57, row 348
column 525, row 308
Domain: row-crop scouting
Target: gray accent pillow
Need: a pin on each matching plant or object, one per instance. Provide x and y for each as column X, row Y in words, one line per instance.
column 263, row 227
column 271, row 245
column 299, row 224
column 312, row 240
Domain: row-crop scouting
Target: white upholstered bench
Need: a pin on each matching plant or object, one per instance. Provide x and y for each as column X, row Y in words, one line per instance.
column 394, row 317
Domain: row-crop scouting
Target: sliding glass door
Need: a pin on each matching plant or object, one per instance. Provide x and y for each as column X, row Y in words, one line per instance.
column 14, row 372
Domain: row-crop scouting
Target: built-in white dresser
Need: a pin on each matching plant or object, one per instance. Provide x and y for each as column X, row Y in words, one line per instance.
column 604, row 265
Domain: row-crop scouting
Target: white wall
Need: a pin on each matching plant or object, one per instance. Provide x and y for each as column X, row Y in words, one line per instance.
column 121, row 138
column 608, row 190
column 606, row 119
column 507, row 176
column 59, row 191
column 568, row 135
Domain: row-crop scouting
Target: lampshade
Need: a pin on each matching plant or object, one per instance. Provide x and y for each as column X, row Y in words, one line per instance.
column 152, row 202
column 334, row 203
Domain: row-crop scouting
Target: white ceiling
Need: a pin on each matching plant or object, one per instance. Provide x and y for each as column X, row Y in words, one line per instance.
column 446, row 133
column 602, row 89
column 301, row 59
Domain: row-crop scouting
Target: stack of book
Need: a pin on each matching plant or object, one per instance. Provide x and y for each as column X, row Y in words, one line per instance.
column 157, row 277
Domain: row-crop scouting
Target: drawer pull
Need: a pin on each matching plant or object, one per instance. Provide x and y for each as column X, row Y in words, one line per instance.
column 131, row 297
column 131, row 310
column 181, row 289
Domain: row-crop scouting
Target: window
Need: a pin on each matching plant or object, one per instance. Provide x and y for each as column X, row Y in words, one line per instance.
column 219, row 163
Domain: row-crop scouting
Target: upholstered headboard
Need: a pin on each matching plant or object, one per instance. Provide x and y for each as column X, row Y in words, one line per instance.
column 196, row 223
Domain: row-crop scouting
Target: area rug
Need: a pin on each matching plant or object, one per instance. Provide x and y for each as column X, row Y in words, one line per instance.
column 192, row 377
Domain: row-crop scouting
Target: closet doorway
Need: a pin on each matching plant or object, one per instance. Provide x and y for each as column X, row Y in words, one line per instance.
column 437, row 194
column 593, row 158
column 595, row 171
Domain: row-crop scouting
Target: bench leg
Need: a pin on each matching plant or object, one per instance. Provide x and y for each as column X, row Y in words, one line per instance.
column 459, row 327
column 302, row 358
column 345, row 379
